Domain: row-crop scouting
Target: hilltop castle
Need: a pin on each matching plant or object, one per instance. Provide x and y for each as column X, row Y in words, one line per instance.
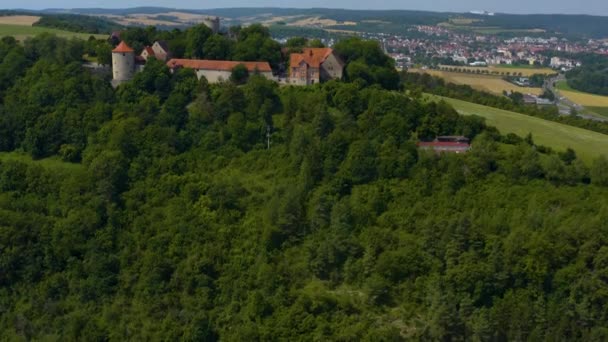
column 125, row 64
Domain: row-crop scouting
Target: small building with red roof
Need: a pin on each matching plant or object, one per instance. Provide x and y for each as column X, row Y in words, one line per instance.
column 216, row 71
column 447, row 144
column 147, row 53
column 314, row 65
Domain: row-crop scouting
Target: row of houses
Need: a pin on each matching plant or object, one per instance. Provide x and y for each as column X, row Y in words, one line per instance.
column 311, row 66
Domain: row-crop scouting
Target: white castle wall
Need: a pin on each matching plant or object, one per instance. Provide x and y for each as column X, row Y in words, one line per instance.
column 123, row 66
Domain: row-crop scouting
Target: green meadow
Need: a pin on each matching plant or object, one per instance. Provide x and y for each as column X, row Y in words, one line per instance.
column 587, row 144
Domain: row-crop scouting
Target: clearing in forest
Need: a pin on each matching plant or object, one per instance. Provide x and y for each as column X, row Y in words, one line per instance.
column 587, row 144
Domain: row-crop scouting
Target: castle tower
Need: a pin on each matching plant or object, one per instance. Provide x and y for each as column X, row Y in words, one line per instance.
column 123, row 63
column 212, row 23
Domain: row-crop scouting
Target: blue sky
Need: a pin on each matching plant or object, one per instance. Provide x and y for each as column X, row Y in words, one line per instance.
column 597, row 7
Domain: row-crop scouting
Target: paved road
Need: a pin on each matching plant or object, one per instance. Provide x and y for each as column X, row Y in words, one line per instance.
column 565, row 105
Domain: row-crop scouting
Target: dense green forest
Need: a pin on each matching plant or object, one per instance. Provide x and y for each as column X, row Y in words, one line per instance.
column 592, row 76
column 162, row 210
column 78, row 23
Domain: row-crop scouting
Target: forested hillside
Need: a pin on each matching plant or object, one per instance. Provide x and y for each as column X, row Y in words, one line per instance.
column 592, row 77
column 174, row 216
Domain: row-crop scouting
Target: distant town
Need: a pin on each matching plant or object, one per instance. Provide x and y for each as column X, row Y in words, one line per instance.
column 438, row 43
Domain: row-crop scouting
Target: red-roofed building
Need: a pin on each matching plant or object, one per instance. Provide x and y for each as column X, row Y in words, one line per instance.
column 443, row 146
column 216, row 71
column 449, row 144
column 123, row 48
column 161, row 50
column 314, row 65
column 147, row 52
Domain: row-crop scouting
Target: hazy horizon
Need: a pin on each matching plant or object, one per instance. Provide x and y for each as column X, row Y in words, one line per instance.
column 590, row 7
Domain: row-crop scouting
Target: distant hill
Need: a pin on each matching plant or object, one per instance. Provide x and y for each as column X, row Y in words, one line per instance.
column 67, row 21
column 388, row 21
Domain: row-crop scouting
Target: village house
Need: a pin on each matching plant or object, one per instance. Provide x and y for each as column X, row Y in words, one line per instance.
column 217, row 71
column 159, row 50
column 314, row 65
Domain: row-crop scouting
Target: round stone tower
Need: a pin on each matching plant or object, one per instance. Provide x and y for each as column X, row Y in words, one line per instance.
column 123, row 63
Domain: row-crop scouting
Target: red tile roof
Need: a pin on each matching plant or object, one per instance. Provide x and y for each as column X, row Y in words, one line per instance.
column 440, row 144
column 314, row 57
column 150, row 51
column 204, row 64
column 123, row 48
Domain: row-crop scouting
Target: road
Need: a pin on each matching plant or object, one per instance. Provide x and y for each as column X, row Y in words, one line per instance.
column 565, row 105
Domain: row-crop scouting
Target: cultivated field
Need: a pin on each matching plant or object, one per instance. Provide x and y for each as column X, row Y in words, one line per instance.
column 170, row 18
column 506, row 70
column 25, row 20
column 596, row 105
column 319, row 22
column 587, row 100
column 584, row 99
column 492, row 84
column 21, row 32
column 587, row 144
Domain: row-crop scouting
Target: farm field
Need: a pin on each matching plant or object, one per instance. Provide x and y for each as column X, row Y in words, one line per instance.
column 21, row 32
column 586, row 99
column 492, row 84
column 25, row 20
column 587, row 144
column 512, row 70
column 597, row 104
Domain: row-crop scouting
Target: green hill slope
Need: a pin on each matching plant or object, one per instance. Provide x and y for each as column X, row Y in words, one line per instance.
column 587, row 144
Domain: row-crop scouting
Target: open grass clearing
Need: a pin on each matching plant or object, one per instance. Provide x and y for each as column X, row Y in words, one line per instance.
column 492, row 84
column 602, row 111
column 53, row 163
column 587, row 144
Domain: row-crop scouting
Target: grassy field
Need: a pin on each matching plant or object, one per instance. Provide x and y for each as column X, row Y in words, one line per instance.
column 504, row 69
column 603, row 111
column 492, row 84
column 53, row 163
column 583, row 99
column 21, row 32
column 563, row 85
column 587, row 144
